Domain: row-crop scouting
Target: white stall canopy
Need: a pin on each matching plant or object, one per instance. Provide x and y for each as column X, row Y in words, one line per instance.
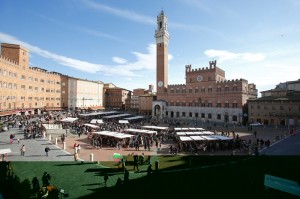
column 95, row 121
column 69, row 119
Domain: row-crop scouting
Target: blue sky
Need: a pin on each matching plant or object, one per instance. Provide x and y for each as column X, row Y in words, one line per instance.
column 113, row 41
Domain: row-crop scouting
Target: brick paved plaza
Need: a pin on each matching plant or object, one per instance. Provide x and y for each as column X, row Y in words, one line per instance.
column 35, row 147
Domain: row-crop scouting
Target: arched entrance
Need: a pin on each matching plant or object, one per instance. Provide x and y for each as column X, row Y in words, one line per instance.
column 158, row 109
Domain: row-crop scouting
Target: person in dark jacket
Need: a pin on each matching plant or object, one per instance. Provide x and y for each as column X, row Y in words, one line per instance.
column 47, row 149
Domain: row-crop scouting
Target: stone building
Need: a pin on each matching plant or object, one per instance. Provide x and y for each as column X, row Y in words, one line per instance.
column 24, row 89
column 278, row 106
column 145, row 103
column 141, row 100
column 207, row 95
column 28, row 90
column 116, row 98
column 84, row 94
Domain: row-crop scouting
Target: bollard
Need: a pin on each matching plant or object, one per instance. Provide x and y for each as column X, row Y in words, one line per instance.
column 64, row 146
column 92, row 157
column 44, row 134
column 50, row 137
column 55, row 141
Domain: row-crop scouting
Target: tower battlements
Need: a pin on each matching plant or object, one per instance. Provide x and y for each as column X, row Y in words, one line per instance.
column 232, row 81
column 212, row 67
column 175, row 85
column 8, row 61
column 41, row 70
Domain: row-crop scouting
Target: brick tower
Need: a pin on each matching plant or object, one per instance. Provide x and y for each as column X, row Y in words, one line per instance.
column 162, row 40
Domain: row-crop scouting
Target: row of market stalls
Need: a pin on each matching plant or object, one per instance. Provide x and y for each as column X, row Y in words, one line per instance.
column 142, row 131
column 183, row 134
column 201, row 135
column 101, row 117
column 113, row 134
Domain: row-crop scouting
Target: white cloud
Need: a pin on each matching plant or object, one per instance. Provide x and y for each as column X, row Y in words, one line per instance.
column 119, row 60
column 100, row 34
column 223, row 55
column 144, row 61
column 122, row 13
column 133, row 16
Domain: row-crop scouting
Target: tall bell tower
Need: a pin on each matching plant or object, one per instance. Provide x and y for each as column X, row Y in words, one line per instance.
column 162, row 40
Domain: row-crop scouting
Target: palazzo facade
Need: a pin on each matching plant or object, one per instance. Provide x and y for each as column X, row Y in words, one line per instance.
column 206, row 95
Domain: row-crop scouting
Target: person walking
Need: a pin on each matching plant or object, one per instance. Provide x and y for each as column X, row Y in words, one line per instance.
column 11, row 137
column 76, row 156
column 136, row 162
column 78, row 148
column 23, row 149
column 47, row 149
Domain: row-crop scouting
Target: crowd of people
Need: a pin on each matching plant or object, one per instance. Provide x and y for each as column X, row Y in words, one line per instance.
column 32, row 127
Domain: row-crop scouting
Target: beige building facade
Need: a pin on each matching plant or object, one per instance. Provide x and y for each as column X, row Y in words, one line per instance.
column 28, row 90
column 141, row 100
column 279, row 106
column 24, row 89
column 207, row 95
column 84, row 94
column 117, row 98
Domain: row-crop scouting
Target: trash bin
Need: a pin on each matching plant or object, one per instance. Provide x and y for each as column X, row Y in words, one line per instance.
column 156, row 165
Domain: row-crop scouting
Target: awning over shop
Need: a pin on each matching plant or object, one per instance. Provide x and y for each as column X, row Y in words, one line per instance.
column 123, row 121
column 208, row 137
column 188, row 129
column 185, row 138
column 95, row 121
column 116, row 116
column 5, row 151
column 114, row 134
column 92, row 126
column 197, row 138
column 220, row 137
column 97, row 113
column 140, row 131
column 69, row 119
column 134, row 118
column 156, row 127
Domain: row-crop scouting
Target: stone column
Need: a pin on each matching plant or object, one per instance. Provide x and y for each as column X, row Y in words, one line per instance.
column 92, row 157
column 64, row 147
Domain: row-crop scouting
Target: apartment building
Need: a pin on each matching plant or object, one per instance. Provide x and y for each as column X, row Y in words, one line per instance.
column 278, row 106
column 85, row 94
column 24, row 89
column 28, row 90
column 116, row 97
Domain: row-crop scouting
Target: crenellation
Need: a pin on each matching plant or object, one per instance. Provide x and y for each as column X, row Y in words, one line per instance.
column 7, row 60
